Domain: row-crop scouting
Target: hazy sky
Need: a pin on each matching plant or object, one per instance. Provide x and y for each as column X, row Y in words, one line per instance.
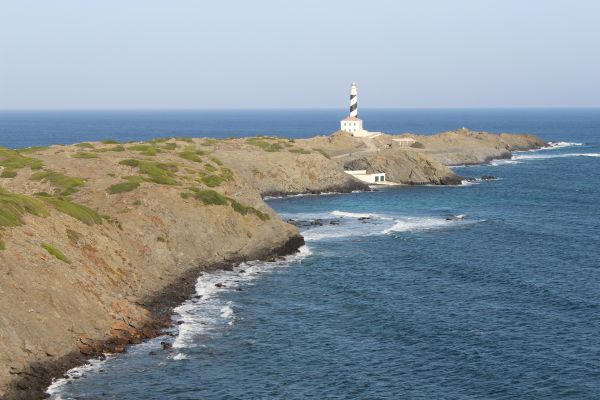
column 274, row 53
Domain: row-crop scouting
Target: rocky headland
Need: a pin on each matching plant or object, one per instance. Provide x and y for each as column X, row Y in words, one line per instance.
column 99, row 241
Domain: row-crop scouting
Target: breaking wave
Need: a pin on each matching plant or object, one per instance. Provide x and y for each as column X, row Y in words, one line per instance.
column 546, row 156
column 560, row 145
column 409, row 224
column 206, row 313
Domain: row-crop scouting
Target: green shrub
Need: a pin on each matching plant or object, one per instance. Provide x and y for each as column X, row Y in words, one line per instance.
column 170, row 146
column 245, row 210
column 56, row 252
column 64, row 185
column 2, row 245
column 209, row 197
column 85, row 145
column 417, row 145
column 212, row 180
column 13, row 206
column 8, row 173
column 107, row 149
column 161, row 173
column 13, row 160
column 75, row 210
column 131, row 183
column 145, row 149
column 130, row 162
column 192, row 154
column 122, row 187
column 109, row 141
column 161, row 239
column 263, row 144
column 216, row 161
column 184, row 139
column 210, row 167
column 85, row 155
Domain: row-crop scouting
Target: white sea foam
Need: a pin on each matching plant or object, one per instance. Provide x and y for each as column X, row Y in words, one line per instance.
column 93, row 365
column 204, row 314
column 348, row 214
column 547, row 155
column 410, row 224
column 503, row 161
column 180, row 356
column 560, row 145
column 207, row 313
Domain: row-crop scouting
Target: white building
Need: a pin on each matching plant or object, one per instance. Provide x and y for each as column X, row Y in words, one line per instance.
column 362, row 175
column 352, row 123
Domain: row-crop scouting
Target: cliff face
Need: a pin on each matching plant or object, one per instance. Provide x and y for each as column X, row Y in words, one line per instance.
column 94, row 233
column 407, row 167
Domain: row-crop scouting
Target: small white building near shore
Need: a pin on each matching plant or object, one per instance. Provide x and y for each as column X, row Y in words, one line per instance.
column 361, row 174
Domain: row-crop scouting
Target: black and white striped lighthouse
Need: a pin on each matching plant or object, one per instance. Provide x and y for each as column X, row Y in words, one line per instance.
column 352, row 123
column 353, row 101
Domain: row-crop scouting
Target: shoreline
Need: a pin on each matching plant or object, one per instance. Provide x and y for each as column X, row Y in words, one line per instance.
column 160, row 304
column 161, row 221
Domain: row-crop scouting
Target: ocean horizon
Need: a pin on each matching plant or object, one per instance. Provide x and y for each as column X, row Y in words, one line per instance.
column 24, row 128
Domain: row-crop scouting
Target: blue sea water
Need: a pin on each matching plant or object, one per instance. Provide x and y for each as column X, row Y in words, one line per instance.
column 483, row 291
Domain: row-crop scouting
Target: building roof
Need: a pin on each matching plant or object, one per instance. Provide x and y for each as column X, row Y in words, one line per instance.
column 349, row 118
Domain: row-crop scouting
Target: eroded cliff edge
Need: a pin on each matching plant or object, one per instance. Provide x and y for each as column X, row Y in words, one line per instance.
column 99, row 240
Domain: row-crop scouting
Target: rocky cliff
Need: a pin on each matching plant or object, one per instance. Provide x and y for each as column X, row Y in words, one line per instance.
column 99, row 240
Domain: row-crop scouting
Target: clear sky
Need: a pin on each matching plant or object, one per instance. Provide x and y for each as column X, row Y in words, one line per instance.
column 136, row 54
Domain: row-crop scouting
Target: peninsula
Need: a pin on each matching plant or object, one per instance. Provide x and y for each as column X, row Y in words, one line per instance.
column 100, row 240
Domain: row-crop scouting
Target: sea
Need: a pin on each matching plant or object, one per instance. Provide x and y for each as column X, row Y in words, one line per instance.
column 485, row 290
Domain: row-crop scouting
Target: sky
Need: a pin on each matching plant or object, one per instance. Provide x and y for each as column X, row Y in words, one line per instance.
column 183, row 54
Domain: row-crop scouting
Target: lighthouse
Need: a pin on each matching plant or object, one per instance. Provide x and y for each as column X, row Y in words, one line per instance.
column 352, row 123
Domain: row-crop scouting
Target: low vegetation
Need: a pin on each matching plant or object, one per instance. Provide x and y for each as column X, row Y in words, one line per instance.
column 245, row 210
column 64, row 185
column 225, row 175
column 211, row 197
column 55, row 252
column 264, row 144
column 75, row 210
column 14, row 206
column 84, row 154
column 13, row 161
column 192, row 154
column 109, row 141
column 131, row 183
column 161, row 173
column 145, row 149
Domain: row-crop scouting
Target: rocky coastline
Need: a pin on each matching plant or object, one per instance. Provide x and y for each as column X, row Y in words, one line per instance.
column 99, row 241
column 32, row 383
